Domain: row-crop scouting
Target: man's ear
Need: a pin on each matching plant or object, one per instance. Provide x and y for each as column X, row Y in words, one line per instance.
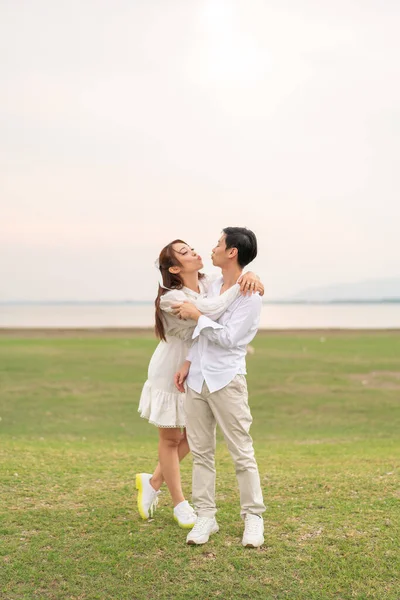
column 233, row 252
column 174, row 270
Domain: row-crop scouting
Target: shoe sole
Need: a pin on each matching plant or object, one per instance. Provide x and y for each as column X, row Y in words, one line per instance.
column 193, row 543
column 188, row 526
column 253, row 545
column 139, row 487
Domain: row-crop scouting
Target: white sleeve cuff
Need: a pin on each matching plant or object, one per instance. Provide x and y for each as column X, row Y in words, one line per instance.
column 202, row 323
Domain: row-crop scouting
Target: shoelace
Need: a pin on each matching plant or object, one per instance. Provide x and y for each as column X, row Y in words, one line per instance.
column 200, row 525
column 252, row 524
column 153, row 505
column 188, row 511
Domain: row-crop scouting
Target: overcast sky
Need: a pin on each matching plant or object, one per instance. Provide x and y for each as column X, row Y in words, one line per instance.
column 127, row 123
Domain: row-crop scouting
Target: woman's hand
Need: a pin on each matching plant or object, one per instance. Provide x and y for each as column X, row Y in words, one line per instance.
column 186, row 310
column 180, row 376
column 250, row 284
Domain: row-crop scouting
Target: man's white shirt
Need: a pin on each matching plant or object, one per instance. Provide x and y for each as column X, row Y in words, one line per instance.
column 218, row 353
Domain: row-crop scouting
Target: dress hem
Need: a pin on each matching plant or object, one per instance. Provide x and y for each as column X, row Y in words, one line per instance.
column 163, row 426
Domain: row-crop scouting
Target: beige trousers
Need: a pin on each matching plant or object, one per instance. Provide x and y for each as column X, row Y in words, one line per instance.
column 229, row 409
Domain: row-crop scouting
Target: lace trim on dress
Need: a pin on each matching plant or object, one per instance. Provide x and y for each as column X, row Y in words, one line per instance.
column 160, row 408
column 163, row 426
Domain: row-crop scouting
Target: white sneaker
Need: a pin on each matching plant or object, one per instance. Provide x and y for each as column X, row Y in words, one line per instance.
column 184, row 515
column 147, row 499
column 253, row 536
column 202, row 530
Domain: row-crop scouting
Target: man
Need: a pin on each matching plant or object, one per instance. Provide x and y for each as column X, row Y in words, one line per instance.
column 217, row 392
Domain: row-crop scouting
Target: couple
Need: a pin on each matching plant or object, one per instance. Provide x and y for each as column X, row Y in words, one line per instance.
column 204, row 325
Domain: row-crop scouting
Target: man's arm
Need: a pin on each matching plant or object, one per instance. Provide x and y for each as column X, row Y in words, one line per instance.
column 236, row 329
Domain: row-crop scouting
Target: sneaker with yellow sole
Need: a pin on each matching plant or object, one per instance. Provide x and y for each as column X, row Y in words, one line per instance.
column 184, row 515
column 147, row 499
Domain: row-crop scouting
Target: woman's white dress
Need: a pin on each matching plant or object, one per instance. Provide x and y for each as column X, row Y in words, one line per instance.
column 160, row 402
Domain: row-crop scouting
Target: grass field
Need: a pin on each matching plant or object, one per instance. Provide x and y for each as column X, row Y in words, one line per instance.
column 326, row 411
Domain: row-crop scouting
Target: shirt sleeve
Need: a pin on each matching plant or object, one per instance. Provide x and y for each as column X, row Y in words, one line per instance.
column 215, row 306
column 170, row 298
column 240, row 327
column 173, row 325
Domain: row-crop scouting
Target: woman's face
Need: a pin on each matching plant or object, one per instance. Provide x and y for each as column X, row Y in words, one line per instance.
column 188, row 257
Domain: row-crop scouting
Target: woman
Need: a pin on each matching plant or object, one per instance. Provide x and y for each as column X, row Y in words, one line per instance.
column 160, row 402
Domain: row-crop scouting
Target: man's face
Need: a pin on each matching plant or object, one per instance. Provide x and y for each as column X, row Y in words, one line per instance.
column 219, row 253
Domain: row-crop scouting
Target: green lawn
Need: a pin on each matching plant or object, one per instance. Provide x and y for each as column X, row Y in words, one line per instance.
column 326, row 431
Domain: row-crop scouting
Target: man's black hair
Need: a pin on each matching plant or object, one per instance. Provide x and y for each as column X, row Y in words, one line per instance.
column 244, row 240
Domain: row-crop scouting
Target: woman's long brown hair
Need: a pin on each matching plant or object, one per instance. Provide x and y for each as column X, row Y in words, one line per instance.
column 168, row 258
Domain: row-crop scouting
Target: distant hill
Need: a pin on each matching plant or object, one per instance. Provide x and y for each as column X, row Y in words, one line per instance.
column 374, row 290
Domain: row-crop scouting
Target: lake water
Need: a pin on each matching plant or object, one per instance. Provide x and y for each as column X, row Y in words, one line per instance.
column 273, row 316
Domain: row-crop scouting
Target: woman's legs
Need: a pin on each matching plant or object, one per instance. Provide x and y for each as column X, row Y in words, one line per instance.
column 172, row 448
